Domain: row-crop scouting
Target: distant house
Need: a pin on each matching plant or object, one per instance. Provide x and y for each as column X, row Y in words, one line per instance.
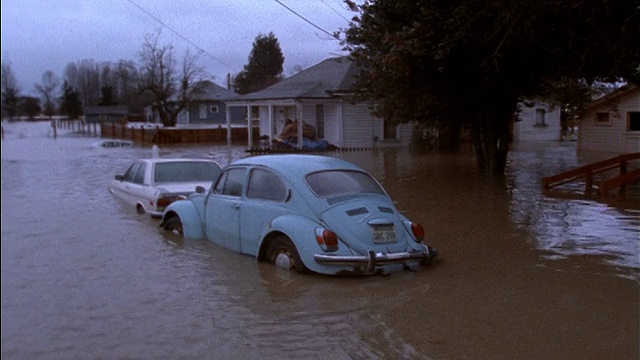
column 317, row 98
column 208, row 108
column 611, row 123
column 99, row 114
column 537, row 121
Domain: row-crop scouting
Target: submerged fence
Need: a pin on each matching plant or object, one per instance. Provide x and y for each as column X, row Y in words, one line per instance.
column 161, row 135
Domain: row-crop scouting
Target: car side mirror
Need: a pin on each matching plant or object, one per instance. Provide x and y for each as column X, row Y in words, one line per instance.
column 119, row 177
column 200, row 189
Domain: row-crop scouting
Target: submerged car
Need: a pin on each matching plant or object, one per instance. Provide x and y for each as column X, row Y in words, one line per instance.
column 113, row 143
column 303, row 213
column 150, row 185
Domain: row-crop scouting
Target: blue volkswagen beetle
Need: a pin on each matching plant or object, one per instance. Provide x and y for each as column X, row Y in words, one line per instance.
column 303, row 213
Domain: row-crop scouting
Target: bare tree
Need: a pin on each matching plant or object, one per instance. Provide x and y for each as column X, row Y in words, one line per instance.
column 47, row 89
column 172, row 85
column 10, row 91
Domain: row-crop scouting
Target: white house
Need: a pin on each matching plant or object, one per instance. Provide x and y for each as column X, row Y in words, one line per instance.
column 611, row 124
column 318, row 97
column 537, row 121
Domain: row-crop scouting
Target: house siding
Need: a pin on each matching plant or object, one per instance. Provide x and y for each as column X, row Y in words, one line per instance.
column 214, row 118
column 526, row 128
column 332, row 124
column 361, row 129
column 614, row 136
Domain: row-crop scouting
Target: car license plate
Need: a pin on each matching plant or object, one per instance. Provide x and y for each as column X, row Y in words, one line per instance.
column 383, row 234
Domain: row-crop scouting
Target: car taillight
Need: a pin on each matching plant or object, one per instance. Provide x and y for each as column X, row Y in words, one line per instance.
column 327, row 239
column 418, row 231
column 164, row 201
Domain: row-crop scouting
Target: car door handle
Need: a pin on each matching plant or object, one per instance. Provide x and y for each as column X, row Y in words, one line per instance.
column 235, row 206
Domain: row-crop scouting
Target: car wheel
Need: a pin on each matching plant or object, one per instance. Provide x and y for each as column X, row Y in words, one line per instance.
column 284, row 255
column 174, row 225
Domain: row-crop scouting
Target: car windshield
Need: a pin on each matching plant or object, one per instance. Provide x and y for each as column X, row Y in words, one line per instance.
column 171, row 172
column 328, row 184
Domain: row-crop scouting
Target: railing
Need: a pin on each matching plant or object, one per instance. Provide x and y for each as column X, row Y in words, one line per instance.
column 588, row 173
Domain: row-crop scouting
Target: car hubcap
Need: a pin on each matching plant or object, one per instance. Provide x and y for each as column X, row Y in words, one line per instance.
column 283, row 261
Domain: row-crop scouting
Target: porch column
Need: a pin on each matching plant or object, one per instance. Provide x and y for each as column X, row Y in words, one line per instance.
column 249, row 127
column 300, row 125
column 340, row 125
column 270, row 125
column 228, row 115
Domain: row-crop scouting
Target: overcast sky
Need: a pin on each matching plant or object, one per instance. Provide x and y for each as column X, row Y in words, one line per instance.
column 41, row 35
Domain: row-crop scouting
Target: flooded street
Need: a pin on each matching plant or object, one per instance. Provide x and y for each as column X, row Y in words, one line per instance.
column 519, row 276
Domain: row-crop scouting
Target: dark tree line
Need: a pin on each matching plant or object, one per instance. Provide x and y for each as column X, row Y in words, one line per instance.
column 160, row 80
column 464, row 63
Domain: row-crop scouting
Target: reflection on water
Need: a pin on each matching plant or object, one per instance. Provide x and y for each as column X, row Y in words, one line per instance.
column 521, row 275
column 566, row 227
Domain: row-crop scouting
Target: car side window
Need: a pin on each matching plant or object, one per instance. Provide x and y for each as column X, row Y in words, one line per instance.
column 139, row 178
column 266, row 185
column 230, row 182
column 130, row 174
column 220, row 184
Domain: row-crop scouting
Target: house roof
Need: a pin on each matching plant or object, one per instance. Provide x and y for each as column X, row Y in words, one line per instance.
column 324, row 80
column 106, row 110
column 213, row 91
column 623, row 91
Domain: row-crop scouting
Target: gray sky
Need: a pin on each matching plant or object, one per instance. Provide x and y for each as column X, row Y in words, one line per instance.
column 41, row 35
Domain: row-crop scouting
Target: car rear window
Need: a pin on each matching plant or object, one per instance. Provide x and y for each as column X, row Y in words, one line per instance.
column 328, row 184
column 171, row 172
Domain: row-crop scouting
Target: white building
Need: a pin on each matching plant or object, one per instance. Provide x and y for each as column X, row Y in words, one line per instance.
column 611, row 123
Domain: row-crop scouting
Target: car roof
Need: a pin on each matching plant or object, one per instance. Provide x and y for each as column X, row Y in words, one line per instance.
column 166, row 160
column 298, row 163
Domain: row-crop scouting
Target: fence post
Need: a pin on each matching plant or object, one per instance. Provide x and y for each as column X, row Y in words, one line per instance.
column 623, row 170
column 53, row 125
column 588, row 183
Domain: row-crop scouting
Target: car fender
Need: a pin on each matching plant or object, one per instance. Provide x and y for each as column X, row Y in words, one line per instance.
column 192, row 225
column 301, row 231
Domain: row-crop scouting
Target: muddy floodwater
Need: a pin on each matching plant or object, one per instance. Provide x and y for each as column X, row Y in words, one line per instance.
column 520, row 275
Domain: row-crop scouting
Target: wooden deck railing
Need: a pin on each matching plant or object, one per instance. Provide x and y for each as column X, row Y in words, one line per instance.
column 619, row 181
column 588, row 172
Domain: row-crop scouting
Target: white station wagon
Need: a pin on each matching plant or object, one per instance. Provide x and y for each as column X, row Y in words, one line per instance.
column 150, row 185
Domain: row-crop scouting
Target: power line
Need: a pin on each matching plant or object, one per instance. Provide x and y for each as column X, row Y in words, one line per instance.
column 334, row 10
column 308, row 21
column 180, row 35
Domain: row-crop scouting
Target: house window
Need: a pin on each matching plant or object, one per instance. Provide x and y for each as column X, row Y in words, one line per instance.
column 540, row 118
column 203, row 111
column 634, row 121
column 213, row 109
column 602, row 118
column 320, row 121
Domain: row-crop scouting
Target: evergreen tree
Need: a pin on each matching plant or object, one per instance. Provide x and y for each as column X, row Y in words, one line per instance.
column 10, row 91
column 106, row 96
column 264, row 67
column 30, row 106
column 70, row 105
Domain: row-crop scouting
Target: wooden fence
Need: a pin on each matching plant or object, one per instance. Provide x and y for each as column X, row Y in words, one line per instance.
column 161, row 135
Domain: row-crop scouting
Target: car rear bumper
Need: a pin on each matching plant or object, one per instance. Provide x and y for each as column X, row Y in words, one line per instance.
column 373, row 259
